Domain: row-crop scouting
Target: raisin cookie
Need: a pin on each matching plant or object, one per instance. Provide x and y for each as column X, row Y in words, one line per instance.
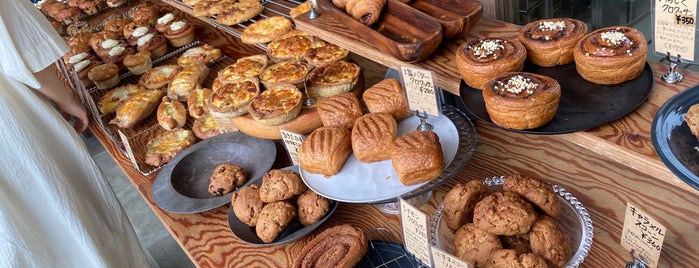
column 281, row 184
column 225, row 178
column 247, row 204
column 273, row 218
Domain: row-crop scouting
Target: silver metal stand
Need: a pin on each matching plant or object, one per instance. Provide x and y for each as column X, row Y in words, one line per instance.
column 673, row 76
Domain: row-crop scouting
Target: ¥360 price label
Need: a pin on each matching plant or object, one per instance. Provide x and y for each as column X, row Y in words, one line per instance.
column 421, row 90
column 675, row 27
column 642, row 234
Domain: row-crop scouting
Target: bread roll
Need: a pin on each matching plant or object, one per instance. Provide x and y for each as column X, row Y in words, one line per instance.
column 340, row 110
column 481, row 60
column 325, row 150
column 196, row 102
column 187, row 80
column 171, row 114
column 387, row 97
column 417, row 157
column 372, row 137
column 136, row 108
column 611, row 55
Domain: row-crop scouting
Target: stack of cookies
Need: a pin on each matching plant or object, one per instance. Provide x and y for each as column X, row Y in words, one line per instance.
column 505, row 229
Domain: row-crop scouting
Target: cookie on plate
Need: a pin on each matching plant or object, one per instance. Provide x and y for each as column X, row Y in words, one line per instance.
column 247, row 204
column 475, row 245
column 460, row 202
column 504, row 213
column 548, row 240
column 311, row 207
column 225, row 178
column 535, row 191
column 273, row 218
column 281, row 184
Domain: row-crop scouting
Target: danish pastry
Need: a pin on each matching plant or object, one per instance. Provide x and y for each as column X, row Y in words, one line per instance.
column 611, row 55
column 372, row 137
column 387, row 97
column 340, row 110
column 325, row 150
column 417, row 157
column 480, row 60
column 550, row 42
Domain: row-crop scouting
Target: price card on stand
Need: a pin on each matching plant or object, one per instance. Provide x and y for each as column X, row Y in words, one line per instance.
column 674, row 28
column 421, row 90
column 442, row 259
column 415, row 232
column 643, row 235
column 292, row 142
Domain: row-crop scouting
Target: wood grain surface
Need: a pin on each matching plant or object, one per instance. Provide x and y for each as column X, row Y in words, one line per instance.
column 604, row 168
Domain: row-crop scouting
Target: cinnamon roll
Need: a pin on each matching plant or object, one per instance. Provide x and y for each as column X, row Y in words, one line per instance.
column 611, row 55
column 550, row 42
column 481, row 60
column 339, row 246
column 521, row 100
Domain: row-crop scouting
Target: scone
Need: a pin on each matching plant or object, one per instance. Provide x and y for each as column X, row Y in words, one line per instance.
column 504, row 213
column 340, row 110
column 372, row 137
column 460, row 201
column 171, row 114
column 281, row 184
column 510, row 258
column 475, row 245
column 225, row 178
column 334, row 78
column 272, row 220
column 341, row 246
column 551, row 42
column 325, row 150
column 611, row 55
column 534, row 191
column 312, row 207
column 548, row 240
column 521, row 100
column 480, row 60
column 387, row 97
column 247, row 204
column 417, row 157
column 691, row 117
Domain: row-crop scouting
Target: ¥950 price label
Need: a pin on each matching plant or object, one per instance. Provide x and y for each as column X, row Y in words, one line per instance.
column 421, row 90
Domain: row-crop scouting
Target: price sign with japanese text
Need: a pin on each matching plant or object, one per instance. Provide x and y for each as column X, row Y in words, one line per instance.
column 292, row 142
column 643, row 235
column 442, row 259
column 415, row 232
column 675, row 27
column 421, row 90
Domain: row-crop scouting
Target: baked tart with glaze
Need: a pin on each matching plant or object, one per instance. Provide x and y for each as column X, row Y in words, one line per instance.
column 276, row 105
column 285, row 72
column 550, row 42
column 232, row 99
column 250, row 66
column 334, row 78
column 481, row 60
column 611, row 55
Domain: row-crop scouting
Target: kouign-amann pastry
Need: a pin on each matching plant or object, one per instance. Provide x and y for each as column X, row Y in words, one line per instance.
column 247, row 204
column 334, row 78
column 551, row 42
column 167, row 144
column 340, row 110
column 481, row 60
column 611, row 55
column 504, row 213
column 691, row 117
column 196, row 102
column 417, row 157
column 372, row 137
column 312, row 207
column 341, row 246
column 387, row 97
column 521, row 100
column 272, row 220
column 548, row 240
column 225, row 178
column 325, row 150
column 137, row 107
column 475, row 245
column 171, row 114
column 281, row 184
column 265, row 30
column 460, row 201
column 510, row 258
column 535, row 191
column 110, row 100
column 278, row 104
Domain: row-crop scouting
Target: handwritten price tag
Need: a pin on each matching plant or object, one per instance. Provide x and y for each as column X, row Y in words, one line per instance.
column 675, row 27
column 442, row 259
column 292, row 142
column 421, row 90
column 415, row 234
column 642, row 234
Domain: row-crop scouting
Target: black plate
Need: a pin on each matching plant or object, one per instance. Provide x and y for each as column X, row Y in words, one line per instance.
column 182, row 185
column 673, row 142
column 293, row 231
column 583, row 105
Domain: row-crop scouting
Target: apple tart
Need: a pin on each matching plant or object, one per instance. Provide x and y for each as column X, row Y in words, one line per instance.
column 232, row 99
column 611, row 55
column 522, row 100
column 550, row 42
column 334, row 78
column 276, row 105
column 480, row 60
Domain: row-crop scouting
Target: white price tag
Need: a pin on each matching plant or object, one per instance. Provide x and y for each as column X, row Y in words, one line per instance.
column 442, row 259
column 642, row 234
column 415, row 232
column 421, row 90
column 127, row 149
column 675, row 27
column 292, row 142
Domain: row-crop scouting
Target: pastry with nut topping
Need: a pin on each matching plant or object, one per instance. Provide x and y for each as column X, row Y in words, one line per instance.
column 611, row 55
column 481, row 60
column 550, row 42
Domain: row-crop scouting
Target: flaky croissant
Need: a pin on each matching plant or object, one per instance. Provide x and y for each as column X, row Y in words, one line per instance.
column 365, row 11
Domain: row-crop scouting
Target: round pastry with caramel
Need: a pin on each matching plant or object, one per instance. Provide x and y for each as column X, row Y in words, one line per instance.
column 550, row 42
column 481, row 60
column 277, row 105
column 611, row 55
column 521, row 100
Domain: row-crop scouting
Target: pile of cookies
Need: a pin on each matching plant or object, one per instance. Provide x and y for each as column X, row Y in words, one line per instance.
column 273, row 205
column 502, row 229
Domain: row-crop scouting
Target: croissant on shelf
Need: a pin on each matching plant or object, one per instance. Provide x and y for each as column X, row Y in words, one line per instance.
column 365, row 11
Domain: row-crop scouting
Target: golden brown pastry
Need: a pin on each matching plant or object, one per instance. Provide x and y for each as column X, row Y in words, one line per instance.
column 290, row 46
column 372, row 137
column 247, row 204
column 548, row 240
column 147, row 13
column 225, row 178
column 285, row 72
column 239, row 11
column 138, row 63
column 300, row 9
column 281, row 184
column 265, row 30
column 340, row 110
column 387, row 97
column 196, row 102
column 365, row 11
column 276, row 105
column 341, row 246
column 460, row 201
column 250, row 66
column 272, row 220
column 187, row 80
column 137, row 107
column 611, row 55
column 691, row 117
column 312, row 207
column 535, row 191
column 510, row 258
column 550, row 42
column 324, row 53
column 481, row 60
column 325, row 150
column 116, row 24
column 417, row 157
column 171, row 114
column 111, row 100
column 180, row 33
column 159, row 77
column 105, row 75
column 205, row 127
column 166, row 145
column 232, row 99
column 164, row 22
column 521, row 100
column 334, row 78
column 504, row 213
column 204, row 54
column 153, row 42
column 91, row 7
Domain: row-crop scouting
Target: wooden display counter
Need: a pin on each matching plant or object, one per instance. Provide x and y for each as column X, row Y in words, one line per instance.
column 604, row 167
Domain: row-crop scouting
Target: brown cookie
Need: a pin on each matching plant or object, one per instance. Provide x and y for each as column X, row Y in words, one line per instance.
column 535, row 191
column 519, row 243
column 311, row 207
column 273, row 218
column 504, row 213
column 247, row 204
column 475, row 245
column 281, row 184
column 509, row 258
column 225, row 178
column 548, row 240
column 460, row 201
